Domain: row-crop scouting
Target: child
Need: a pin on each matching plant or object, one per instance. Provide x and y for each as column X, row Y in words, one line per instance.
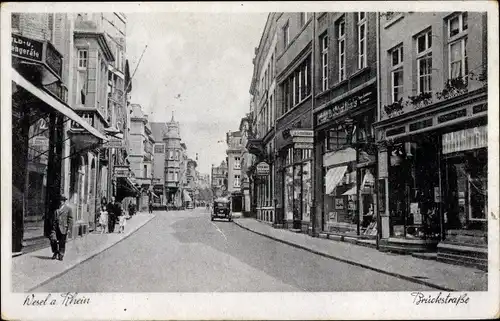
column 103, row 219
column 122, row 223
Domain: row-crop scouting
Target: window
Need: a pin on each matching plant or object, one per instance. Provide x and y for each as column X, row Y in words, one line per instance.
column 15, row 21
column 302, row 19
column 361, row 40
column 176, row 176
column 336, row 138
column 341, row 48
column 81, row 81
column 286, row 35
column 424, row 62
column 324, row 61
column 457, row 24
column 237, row 163
column 159, row 148
column 145, row 171
column 82, row 59
column 457, row 46
column 236, row 181
column 396, row 73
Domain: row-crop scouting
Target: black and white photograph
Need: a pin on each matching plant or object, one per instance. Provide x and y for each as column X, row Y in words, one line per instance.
column 250, row 160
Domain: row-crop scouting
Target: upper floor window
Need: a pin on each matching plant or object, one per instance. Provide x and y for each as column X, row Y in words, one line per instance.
column 15, row 21
column 286, row 35
column 303, row 18
column 324, row 61
column 396, row 55
column 457, row 24
column 236, row 181
column 361, row 40
column 237, row 163
column 83, row 59
column 341, row 48
column 424, row 62
column 457, row 45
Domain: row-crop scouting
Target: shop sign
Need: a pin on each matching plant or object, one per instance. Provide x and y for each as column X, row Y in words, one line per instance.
column 27, row 48
column 114, row 143
column 301, row 133
column 121, row 171
column 330, row 112
column 303, row 146
column 466, row 139
column 262, row 169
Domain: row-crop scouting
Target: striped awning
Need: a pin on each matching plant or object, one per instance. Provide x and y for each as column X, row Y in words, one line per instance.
column 333, row 178
column 187, row 198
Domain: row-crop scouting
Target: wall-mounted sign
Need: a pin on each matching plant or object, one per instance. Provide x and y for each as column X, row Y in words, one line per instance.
column 303, row 146
column 330, row 112
column 301, row 133
column 262, row 169
column 466, row 139
column 53, row 59
column 27, row 48
column 114, row 143
column 121, row 171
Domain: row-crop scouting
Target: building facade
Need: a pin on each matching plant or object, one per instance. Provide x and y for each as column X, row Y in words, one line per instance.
column 140, row 153
column 158, row 130
column 344, row 114
column 433, row 133
column 55, row 149
column 234, row 175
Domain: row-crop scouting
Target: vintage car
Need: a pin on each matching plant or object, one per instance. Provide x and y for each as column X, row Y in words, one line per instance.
column 221, row 209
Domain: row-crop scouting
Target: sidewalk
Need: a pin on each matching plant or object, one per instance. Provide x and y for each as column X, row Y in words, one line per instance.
column 36, row 268
column 441, row 276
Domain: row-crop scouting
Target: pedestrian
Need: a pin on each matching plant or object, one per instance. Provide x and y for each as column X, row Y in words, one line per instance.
column 61, row 225
column 103, row 219
column 122, row 221
column 111, row 215
column 131, row 209
column 150, row 206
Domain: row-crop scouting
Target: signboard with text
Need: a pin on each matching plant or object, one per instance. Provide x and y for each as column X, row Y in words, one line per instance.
column 27, row 48
column 466, row 139
column 262, row 169
column 121, row 171
column 335, row 109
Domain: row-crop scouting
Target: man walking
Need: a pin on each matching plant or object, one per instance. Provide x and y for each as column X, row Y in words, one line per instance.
column 111, row 215
column 63, row 222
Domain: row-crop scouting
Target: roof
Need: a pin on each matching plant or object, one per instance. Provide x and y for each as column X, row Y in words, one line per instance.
column 158, row 130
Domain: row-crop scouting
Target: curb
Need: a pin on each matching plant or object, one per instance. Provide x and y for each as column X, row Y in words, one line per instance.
column 397, row 275
column 90, row 256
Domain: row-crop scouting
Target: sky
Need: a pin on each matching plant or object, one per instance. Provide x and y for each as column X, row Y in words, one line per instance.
column 198, row 65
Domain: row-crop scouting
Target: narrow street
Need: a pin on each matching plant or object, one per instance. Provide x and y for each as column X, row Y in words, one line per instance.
column 183, row 251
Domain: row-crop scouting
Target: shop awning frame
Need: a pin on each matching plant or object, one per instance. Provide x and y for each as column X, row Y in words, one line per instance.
column 54, row 103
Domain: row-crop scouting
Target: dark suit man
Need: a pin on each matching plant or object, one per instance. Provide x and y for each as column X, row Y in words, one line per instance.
column 111, row 215
column 62, row 224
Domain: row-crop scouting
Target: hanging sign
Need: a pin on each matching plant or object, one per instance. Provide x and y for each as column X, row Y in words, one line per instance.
column 27, row 48
column 466, row 139
column 121, row 171
column 262, row 169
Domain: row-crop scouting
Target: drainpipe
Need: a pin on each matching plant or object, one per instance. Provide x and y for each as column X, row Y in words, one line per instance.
column 377, row 191
column 313, row 161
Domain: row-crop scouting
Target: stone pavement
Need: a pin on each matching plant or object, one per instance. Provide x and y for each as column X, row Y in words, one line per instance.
column 31, row 270
column 442, row 276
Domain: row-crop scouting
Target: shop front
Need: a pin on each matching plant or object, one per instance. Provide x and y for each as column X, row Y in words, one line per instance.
column 38, row 136
column 347, row 166
column 434, row 167
column 296, row 179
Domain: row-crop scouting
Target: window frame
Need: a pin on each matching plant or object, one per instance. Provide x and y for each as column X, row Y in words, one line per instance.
column 424, row 55
column 396, row 68
column 82, row 67
column 341, row 40
column 286, row 34
column 362, row 58
column 324, row 61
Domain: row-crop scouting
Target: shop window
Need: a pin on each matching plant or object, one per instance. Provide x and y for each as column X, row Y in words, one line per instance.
column 361, row 40
column 424, row 62
column 396, row 73
column 337, row 138
column 341, row 49
column 324, row 61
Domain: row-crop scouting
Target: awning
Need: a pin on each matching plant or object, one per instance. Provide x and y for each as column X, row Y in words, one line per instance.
column 352, row 191
column 333, row 178
column 54, row 103
column 126, row 186
column 187, row 198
